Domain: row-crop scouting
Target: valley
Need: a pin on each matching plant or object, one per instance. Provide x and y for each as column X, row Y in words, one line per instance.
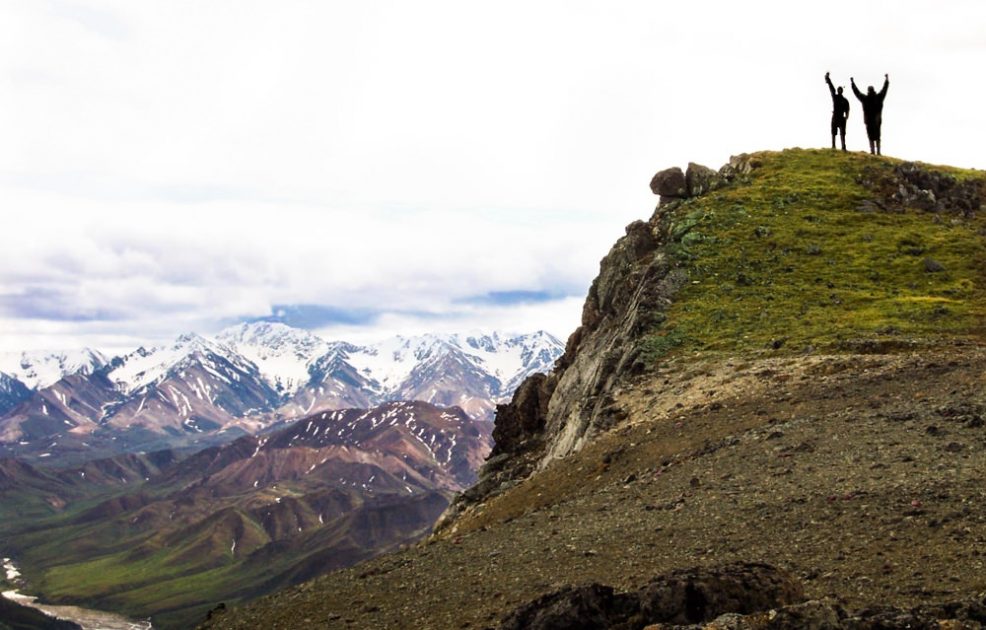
column 82, row 617
column 169, row 536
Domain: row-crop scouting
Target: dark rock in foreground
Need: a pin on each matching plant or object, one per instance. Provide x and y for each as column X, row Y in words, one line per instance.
column 749, row 596
column 681, row 597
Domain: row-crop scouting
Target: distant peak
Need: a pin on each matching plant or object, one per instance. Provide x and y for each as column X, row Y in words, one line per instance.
column 191, row 339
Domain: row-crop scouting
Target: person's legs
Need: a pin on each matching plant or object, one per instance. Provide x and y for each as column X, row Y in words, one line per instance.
column 842, row 136
column 876, row 133
column 835, row 128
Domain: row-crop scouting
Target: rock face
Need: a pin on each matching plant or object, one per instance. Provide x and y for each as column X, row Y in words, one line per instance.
column 683, row 597
column 551, row 416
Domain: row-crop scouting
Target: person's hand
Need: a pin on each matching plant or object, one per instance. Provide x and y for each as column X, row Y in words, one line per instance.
column 826, row 75
column 887, row 77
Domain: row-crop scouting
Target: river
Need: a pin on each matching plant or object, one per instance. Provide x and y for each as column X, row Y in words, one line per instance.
column 87, row 618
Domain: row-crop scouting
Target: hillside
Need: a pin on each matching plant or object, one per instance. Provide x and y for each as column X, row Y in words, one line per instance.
column 784, row 364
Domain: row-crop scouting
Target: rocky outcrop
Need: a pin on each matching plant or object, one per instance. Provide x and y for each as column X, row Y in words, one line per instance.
column 523, row 419
column 745, row 596
column 739, row 166
column 831, row 615
column 672, row 184
column 701, row 179
column 934, row 191
column 550, row 416
column 682, row 597
column 910, row 185
column 554, row 415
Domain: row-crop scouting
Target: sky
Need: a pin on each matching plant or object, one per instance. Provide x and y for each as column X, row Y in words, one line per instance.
column 365, row 169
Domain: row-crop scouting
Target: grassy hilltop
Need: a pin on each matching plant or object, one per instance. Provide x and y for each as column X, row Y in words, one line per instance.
column 804, row 253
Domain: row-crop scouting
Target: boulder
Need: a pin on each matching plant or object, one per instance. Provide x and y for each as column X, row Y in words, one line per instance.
column 573, row 608
column 686, row 596
column 669, row 183
column 702, row 594
column 810, row 615
column 701, row 179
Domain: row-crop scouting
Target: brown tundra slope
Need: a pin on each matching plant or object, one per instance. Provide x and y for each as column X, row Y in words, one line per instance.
column 777, row 395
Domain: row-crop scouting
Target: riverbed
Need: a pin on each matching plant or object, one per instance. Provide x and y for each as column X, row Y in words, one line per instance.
column 86, row 617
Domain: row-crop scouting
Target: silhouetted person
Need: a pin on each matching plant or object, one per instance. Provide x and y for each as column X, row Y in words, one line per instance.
column 840, row 112
column 872, row 110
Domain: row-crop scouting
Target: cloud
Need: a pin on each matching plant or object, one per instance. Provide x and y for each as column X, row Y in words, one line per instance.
column 317, row 316
column 50, row 304
column 509, row 298
column 393, row 164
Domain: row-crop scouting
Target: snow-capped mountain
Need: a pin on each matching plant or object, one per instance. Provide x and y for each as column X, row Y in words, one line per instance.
column 38, row 369
column 144, row 367
column 474, row 372
column 284, row 355
column 255, row 375
column 507, row 360
column 192, row 384
column 512, row 359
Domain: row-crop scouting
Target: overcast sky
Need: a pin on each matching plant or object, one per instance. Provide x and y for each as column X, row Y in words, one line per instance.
column 371, row 168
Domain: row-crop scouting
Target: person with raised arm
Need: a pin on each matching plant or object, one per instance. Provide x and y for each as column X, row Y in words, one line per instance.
column 840, row 112
column 872, row 111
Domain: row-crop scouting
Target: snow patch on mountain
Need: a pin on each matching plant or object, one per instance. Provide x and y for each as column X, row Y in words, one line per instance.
column 284, row 355
column 508, row 359
column 143, row 367
column 390, row 362
column 38, row 369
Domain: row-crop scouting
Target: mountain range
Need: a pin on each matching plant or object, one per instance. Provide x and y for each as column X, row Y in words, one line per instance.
column 249, row 378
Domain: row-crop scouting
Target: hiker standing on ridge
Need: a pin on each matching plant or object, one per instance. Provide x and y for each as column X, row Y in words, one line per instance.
column 872, row 110
column 840, row 112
